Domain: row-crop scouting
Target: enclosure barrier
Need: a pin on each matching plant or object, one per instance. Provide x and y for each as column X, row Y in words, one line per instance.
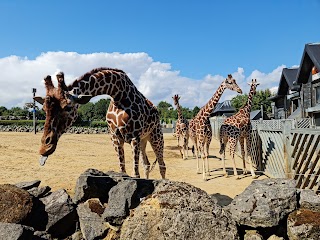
column 284, row 148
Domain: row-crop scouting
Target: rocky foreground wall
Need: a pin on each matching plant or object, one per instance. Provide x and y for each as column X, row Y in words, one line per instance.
column 114, row 206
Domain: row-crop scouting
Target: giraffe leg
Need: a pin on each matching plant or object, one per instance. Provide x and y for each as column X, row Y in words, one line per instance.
column 243, row 154
column 185, row 147
column 186, row 144
column 118, row 146
column 202, row 143
column 209, row 138
column 248, row 142
column 223, row 143
column 157, row 144
column 233, row 144
column 135, row 146
column 144, row 158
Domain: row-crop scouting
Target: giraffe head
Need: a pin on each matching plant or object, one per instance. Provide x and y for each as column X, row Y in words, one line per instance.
column 253, row 86
column 176, row 99
column 231, row 84
column 61, row 111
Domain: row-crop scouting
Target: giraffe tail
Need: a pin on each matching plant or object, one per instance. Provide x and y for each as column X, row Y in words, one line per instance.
column 222, row 147
column 153, row 165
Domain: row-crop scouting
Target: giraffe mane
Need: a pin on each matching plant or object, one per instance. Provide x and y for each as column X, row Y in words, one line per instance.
column 88, row 74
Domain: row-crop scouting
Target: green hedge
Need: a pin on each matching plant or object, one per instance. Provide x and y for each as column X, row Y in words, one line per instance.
column 41, row 123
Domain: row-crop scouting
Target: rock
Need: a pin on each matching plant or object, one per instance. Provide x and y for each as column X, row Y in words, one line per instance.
column 304, row 224
column 56, row 214
column 309, row 200
column 77, row 236
column 122, row 197
column 15, row 204
column 28, row 185
column 92, row 225
column 274, row 237
column 93, row 184
column 12, row 231
column 178, row 211
column 42, row 235
column 252, row 235
column 39, row 192
column 264, row 203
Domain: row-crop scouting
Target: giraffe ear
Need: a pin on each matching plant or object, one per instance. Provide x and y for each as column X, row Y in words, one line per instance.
column 39, row 100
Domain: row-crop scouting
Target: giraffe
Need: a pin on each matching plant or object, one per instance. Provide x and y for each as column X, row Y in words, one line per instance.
column 238, row 127
column 200, row 131
column 132, row 118
column 182, row 128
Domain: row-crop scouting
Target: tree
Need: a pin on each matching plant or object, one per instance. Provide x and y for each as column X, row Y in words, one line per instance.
column 86, row 111
column 3, row 110
column 195, row 111
column 260, row 98
column 100, row 109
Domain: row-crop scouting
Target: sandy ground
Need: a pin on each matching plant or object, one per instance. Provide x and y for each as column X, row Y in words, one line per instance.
column 76, row 153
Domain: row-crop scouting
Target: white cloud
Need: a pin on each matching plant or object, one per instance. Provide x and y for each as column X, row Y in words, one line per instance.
column 156, row 80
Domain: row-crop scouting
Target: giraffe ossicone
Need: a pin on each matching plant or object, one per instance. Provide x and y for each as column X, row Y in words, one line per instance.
column 132, row 118
column 200, row 130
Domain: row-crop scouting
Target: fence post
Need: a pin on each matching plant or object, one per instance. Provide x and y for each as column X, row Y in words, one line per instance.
column 286, row 132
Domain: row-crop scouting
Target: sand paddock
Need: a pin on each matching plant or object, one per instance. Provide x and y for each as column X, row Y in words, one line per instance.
column 77, row 152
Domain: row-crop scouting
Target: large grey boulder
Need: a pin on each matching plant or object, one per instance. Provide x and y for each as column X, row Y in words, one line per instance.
column 309, row 200
column 15, row 204
column 12, row 231
column 93, row 184
column 304, row 224
column 178, row 211
column 122, row 197
column 264, row 203
column 28, row 185
column 92, row 224
column 55, row 214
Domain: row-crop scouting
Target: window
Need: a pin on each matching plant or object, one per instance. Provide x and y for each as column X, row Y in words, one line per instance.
column 317, row 89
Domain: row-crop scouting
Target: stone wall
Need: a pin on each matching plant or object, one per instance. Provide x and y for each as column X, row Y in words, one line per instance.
column 109, row 205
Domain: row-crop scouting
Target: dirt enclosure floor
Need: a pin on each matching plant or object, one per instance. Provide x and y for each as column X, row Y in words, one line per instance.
column 75, row 153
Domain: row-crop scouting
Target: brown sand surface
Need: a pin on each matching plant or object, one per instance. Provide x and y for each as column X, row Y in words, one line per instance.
column 75, row 153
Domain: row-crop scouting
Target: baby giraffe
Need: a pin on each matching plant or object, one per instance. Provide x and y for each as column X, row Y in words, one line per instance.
column 238, row 128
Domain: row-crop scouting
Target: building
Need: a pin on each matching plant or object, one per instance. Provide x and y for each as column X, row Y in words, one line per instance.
column 287, row 99
column 224, row 109
column 309, row 78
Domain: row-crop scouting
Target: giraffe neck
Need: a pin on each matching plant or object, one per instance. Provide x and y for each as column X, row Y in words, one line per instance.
column 247, row 107
column 112, row 82
column 180, row 117
column 207, row 109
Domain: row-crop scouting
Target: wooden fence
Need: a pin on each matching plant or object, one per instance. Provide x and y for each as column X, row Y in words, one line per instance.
column 285, row 149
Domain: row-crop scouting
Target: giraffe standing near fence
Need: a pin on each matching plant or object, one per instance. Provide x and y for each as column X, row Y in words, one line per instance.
column 238, row 128
column 200, row 131
column 182, row 129
column 131, row 117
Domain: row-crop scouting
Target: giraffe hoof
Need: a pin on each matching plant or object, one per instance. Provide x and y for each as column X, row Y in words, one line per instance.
column 226, row 175
column 237, row 178
column 254, row 176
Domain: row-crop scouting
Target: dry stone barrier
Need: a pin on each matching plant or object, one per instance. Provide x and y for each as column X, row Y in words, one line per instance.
column 110, row 205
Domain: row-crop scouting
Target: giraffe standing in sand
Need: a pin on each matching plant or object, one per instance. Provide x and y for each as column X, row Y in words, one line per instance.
column 238, row 128
column 182, row 128
column 200, row 130
column 132, row 118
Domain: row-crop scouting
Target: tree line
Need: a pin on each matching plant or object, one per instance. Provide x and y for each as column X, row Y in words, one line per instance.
column 168, row 113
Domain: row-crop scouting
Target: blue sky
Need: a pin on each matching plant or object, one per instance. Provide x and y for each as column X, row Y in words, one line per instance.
column 194, row 43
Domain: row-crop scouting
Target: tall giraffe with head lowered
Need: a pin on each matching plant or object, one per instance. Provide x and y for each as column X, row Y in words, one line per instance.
column 132, row 118
column 238, row 127
column 182, row 128
column 200, row 130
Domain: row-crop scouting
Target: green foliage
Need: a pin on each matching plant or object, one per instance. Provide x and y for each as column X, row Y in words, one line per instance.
column 20, row 122
column 100, row 109
column 86, row 111
column 260, row 98
column 169, row 113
